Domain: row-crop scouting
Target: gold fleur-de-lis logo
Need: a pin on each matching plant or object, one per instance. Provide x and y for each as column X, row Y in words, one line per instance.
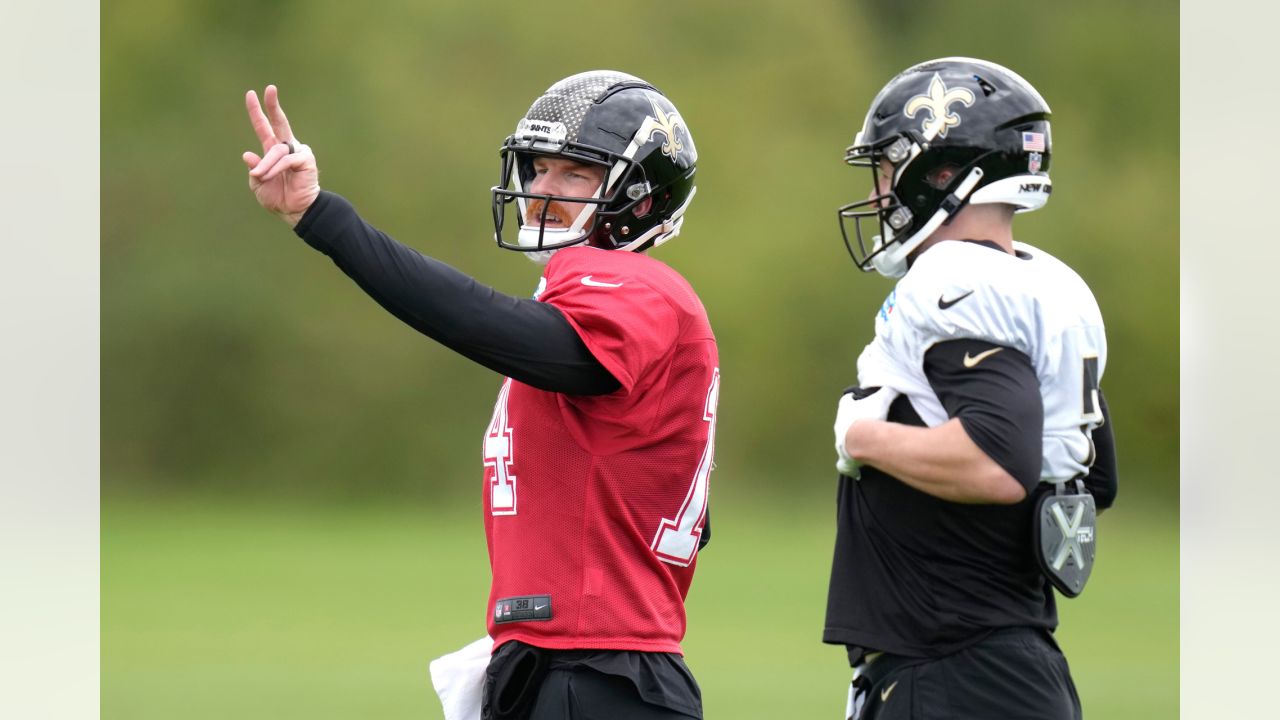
column 938, row 102
column 665, row 123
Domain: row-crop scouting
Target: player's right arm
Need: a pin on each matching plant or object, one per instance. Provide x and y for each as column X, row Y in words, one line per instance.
column 522, row 339
column 988, row 451
column 284, row 179
column 942, row 461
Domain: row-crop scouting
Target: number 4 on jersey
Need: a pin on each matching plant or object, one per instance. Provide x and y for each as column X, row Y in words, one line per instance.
column 498, row 453
column 676, row 541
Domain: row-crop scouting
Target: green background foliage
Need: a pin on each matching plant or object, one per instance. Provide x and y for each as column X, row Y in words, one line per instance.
column 243, row 373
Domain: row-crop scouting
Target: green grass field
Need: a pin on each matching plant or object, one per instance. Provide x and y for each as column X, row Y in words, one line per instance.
column 233, row 610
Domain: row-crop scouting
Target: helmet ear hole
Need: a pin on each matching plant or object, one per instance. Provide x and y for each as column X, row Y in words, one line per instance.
column 941, row 176
column 643, row 207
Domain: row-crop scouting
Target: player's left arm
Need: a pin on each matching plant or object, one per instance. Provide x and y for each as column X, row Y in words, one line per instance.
column 1103, row 480
column 989, row 451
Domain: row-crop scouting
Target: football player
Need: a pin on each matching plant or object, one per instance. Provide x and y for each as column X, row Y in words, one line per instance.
column 976, row 447
column 597, row 460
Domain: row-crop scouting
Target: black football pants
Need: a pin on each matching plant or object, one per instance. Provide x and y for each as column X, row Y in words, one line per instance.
column 1013, row 674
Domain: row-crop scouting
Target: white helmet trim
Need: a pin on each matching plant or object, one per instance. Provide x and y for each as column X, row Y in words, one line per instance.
column 1025, row 192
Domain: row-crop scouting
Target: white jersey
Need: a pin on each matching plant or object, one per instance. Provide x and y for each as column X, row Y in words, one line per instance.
column 1032, row 303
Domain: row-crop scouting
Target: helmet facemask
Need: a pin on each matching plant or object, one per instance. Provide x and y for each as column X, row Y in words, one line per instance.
column 890, row 214
column 618, row 199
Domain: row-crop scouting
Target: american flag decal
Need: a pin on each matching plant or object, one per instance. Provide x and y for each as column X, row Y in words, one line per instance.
column 1033, row 141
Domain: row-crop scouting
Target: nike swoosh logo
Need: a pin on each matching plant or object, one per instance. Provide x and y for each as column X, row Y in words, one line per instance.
column 586, row 280
column 538, row 607
column 943, row 303
column 884, row 694
column 973, row 361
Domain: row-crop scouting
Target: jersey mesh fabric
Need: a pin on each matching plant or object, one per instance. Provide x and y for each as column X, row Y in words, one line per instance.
column 595, row 477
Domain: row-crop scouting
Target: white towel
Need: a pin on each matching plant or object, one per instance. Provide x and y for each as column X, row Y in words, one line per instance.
column 459, row 679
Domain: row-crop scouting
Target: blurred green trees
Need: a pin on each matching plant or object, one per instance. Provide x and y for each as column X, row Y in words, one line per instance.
column 235, row 358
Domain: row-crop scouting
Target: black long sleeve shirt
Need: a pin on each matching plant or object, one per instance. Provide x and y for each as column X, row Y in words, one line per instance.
column 520, row 338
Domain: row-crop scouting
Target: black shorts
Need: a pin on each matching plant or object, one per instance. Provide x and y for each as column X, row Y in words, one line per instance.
column 524, row 682
column 1012, row 674
column 582, row 693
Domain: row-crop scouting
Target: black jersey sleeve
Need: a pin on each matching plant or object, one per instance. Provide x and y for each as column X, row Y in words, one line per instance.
column 521, row 338
column 1103, row 480
column 994, row 392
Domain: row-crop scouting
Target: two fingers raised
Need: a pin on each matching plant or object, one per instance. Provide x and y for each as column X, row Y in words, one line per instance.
column 271, row 126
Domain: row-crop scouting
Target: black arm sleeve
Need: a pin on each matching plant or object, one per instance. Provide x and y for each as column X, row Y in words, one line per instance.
column 521, row 338
column 1103, row 480
column 994, row 392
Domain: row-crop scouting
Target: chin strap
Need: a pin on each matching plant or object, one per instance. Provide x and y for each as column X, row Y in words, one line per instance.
column 892, row 262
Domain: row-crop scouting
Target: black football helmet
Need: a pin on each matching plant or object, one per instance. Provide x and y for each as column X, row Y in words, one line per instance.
column 621, row 123
column 979, row 120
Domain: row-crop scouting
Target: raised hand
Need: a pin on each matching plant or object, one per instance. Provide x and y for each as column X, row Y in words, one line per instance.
column 285, row 179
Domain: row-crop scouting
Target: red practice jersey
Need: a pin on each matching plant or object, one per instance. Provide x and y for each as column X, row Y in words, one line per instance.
column 594, row 505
